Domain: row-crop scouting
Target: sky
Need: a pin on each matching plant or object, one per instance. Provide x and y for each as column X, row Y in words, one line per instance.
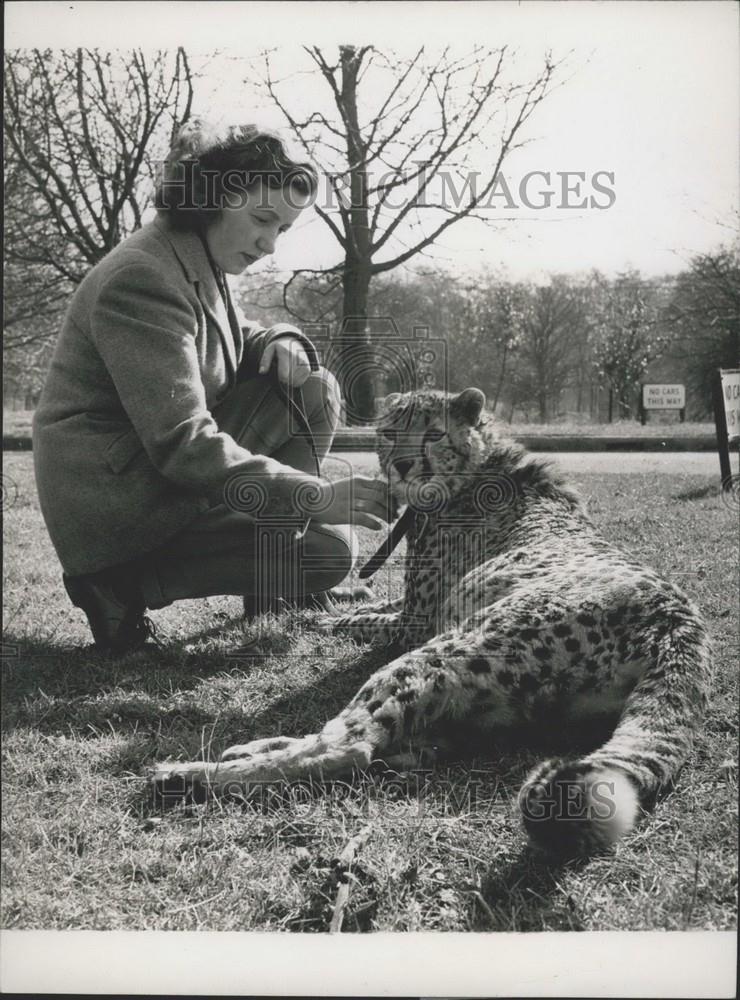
column 649, row 97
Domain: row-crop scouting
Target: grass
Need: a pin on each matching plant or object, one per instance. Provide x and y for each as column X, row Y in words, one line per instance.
column 655, row 427
column 85, row 849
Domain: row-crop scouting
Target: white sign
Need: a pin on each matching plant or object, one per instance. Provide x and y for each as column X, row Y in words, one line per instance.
column 731, row 396
column 663, row 397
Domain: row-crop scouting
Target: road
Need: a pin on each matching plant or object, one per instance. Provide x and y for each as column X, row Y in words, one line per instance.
column 697, row 463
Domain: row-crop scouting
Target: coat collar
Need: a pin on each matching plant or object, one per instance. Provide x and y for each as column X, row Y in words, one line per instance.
column 190, row 251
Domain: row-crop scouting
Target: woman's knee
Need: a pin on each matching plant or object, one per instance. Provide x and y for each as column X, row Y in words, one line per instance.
column 326, row 379
column 330, row 552
column 322, row 397
column 254, row 414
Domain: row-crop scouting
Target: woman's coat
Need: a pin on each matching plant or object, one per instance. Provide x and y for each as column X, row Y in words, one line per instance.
column 126, row 451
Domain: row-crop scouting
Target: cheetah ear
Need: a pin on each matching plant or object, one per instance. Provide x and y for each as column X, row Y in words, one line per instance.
column 468, row 405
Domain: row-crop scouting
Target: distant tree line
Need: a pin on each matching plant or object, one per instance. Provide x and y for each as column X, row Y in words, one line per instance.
column 572, row 347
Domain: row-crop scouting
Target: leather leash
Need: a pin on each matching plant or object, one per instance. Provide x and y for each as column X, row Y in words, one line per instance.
column 399, row 529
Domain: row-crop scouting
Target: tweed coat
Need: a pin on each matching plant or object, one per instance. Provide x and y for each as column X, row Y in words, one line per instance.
column 126, row 450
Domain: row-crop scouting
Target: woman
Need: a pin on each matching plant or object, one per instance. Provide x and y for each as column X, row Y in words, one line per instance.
column 177, row 447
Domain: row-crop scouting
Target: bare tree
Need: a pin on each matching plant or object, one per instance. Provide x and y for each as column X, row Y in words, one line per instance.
column 397, row 136
column 81, row 129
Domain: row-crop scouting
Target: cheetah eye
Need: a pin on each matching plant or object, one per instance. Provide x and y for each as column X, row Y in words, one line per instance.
column 435, row 435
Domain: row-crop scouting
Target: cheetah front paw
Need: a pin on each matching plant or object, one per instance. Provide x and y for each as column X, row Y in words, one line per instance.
column 326, row 624
column 176, row 782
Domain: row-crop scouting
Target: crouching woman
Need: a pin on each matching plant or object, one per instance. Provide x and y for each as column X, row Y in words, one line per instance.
column 178, row 447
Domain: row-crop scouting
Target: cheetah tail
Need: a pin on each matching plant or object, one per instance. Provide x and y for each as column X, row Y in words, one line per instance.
column 580, row 806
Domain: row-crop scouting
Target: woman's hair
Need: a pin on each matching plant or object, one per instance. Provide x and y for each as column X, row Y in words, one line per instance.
column 209, row 168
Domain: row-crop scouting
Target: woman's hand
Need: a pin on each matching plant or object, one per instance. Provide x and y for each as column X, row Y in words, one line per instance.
column 354, row 500
column 293, row 366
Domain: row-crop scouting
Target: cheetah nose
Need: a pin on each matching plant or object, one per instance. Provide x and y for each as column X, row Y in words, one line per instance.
column 402, row 467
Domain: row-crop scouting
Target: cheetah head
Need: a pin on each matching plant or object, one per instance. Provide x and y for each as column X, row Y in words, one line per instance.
column 425, row 439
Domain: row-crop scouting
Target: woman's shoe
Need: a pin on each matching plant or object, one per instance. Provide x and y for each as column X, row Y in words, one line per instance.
column 118, row 624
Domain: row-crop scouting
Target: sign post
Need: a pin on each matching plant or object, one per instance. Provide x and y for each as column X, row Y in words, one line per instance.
column 726, row 418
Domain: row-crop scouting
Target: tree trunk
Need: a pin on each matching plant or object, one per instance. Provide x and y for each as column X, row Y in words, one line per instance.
column 542, row 404
column 502, row 375
column 594, row 401
column 355, row 356
column 624, row 402
column 355, row 362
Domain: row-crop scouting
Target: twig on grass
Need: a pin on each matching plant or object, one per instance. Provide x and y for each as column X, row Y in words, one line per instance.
column 689, row 910
column 343, row 864
column 477, row 896
column 200, row 902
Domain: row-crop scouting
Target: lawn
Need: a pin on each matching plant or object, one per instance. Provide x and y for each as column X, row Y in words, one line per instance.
column 667, row 426
column 85, row 848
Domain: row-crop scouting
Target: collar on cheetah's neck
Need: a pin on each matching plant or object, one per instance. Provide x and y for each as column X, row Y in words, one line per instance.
column 402, row 527
column 399, row 529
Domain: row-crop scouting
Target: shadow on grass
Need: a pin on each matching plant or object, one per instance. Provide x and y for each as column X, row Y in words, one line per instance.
column 524, row 895
column 697, row 493
column 53, row 688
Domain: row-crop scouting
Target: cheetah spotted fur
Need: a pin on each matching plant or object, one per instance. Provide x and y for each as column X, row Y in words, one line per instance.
column 514, row 609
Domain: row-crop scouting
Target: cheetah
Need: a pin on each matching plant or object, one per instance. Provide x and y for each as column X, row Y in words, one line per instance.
column 514, row 609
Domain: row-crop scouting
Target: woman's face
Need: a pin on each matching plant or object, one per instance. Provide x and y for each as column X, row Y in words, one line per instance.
column 249, row 230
